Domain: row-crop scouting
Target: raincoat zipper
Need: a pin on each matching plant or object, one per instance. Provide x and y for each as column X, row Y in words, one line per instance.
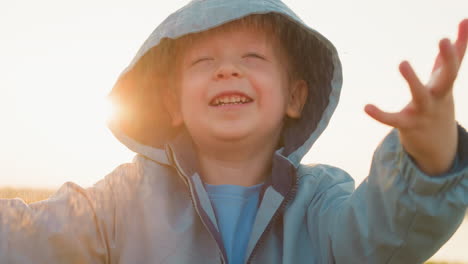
column 192, row 195
column 290, row 195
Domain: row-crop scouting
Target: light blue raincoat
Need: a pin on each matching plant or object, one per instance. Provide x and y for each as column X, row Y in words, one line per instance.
column 155, row 209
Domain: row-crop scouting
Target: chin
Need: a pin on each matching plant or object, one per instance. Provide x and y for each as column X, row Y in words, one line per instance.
column 230, row 135
column 232, row 132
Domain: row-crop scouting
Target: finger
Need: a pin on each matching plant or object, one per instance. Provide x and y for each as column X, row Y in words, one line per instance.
column 438, row 63
column 460, row 44
column 442, row 79
column 449, row 54
column 418, row 90
column 462, row 40
column 390, row 119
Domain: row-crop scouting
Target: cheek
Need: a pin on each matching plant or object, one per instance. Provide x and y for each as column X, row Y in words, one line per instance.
column 191, row 96
column 273, row 90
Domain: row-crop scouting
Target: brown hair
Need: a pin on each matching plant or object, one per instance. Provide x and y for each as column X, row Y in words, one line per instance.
column 163, row 59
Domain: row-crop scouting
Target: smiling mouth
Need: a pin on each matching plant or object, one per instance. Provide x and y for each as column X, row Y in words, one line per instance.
column 230, row 100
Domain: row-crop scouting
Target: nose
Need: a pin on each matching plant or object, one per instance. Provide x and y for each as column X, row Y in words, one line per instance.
column 227, row 71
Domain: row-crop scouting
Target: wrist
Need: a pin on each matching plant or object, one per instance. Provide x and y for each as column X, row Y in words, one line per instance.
column 436, row 155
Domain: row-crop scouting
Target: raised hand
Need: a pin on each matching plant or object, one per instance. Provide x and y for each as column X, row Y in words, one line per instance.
column 427, row 126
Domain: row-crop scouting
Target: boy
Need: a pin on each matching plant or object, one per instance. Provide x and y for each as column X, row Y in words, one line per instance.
column 220, row 104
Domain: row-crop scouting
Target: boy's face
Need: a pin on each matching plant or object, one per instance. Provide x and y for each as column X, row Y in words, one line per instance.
column 233, row 85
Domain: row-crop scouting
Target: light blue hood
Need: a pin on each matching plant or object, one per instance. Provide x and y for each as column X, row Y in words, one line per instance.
column 148, row 212
column 144, row 125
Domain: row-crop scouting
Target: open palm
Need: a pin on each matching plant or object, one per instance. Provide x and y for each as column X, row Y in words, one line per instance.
column 427, row 125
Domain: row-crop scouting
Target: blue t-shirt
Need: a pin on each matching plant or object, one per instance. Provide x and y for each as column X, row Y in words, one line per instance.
column 235, row 208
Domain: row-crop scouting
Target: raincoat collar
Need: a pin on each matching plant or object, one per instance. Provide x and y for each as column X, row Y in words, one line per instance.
column 181, row 151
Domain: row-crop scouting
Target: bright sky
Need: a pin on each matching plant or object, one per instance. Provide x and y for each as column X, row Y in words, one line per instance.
column 59, row 60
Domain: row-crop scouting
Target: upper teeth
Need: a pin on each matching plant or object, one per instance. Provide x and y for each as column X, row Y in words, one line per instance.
column 230, row 99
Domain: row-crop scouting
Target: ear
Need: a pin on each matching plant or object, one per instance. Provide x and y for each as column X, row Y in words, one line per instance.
column 171, row 103
column 297, row 98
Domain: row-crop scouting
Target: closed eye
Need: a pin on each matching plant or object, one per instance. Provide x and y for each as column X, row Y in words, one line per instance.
column 198, row 60
column 254, row 55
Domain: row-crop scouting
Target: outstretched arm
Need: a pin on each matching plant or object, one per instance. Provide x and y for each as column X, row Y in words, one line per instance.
column 427, row 126
column 72, row 226
column 400, row 213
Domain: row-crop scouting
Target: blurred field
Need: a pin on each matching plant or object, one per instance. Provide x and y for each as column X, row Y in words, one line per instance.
column 30, row 195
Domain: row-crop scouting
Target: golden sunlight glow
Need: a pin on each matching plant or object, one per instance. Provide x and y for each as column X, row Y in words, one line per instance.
column 53, row 93
column 60, row 59
column 109, row 110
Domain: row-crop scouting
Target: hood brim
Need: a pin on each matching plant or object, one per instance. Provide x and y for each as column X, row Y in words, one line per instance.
column 142, row 122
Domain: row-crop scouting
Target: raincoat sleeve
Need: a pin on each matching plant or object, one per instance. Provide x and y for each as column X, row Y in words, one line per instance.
column 75, row 225
column 398, row 214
